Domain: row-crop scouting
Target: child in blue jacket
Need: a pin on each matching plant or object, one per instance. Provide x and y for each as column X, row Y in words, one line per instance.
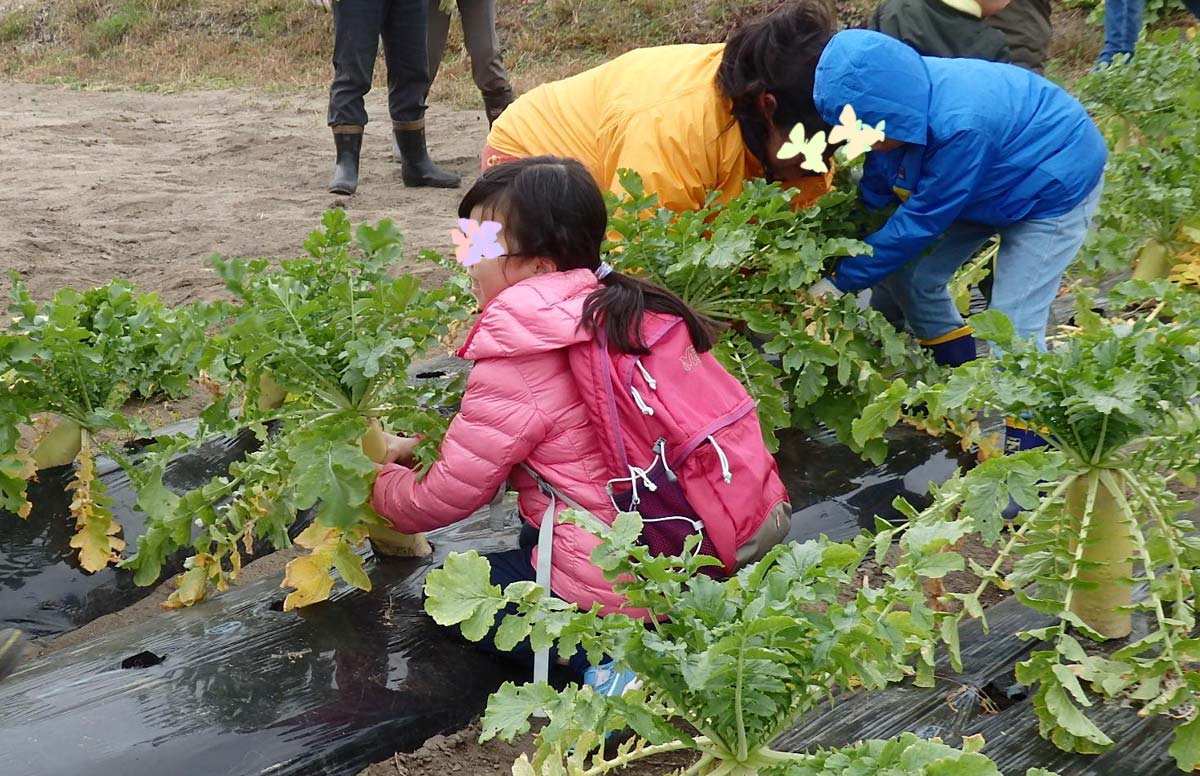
column 972, row 149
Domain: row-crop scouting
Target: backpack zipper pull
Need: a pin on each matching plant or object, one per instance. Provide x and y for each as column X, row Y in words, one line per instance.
column 661, row 448
column 637, row 398
column 650, row 381
column 725, row 473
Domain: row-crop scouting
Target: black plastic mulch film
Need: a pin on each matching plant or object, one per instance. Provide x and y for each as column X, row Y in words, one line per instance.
column 42, row 590
column 234, row 686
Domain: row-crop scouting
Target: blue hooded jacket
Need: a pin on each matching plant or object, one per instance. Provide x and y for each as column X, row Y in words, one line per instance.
column 986, row 143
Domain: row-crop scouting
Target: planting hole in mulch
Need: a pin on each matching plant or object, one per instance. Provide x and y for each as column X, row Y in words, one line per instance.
column 145, row 659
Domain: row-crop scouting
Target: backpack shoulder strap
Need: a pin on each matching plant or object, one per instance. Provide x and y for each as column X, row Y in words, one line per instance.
column 541, row 658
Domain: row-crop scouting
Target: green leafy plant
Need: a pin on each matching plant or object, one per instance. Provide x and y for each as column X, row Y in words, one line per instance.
column 68, row 367
column 747, row 263
column 319, row 348
column 1115, row 399
column 726, row 666
column 1147, row 108
column 1154, row 11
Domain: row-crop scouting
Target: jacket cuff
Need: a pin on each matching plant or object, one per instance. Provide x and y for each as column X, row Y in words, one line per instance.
column 391, row 479
column 843, row 285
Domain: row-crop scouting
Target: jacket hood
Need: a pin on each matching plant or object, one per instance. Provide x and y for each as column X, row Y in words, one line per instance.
column 538, row 314
column 882, row 78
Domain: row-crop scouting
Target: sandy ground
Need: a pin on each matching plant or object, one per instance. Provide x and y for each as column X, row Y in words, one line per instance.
column 98, row 184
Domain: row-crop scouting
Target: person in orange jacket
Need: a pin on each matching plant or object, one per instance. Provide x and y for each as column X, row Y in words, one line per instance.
column 664, row 113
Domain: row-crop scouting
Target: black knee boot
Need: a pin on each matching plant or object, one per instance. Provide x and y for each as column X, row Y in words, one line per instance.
column 416, row 168
column 495, row 103
column 348, row 141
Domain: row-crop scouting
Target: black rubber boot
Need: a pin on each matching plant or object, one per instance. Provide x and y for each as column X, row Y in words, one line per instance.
column 416, row 168
column 349, row 148
column 494, row 105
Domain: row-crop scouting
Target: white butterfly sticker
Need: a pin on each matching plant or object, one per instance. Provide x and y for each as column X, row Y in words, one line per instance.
column 813, row 149
column 857, row 136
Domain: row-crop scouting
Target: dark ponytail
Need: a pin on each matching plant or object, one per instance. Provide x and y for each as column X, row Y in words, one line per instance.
column 621, row 303
column 552, row 209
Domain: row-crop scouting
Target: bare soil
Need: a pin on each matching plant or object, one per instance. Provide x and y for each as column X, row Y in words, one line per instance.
column 145, row 186
column 462, row 753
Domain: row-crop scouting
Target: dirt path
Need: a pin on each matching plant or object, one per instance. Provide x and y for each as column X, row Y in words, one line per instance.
column 146, row 186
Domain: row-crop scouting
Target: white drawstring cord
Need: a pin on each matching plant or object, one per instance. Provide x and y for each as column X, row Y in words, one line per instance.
column 645, row 477
column 725, row 473
column 661, row 448
column 637, row 398
column 650, row 381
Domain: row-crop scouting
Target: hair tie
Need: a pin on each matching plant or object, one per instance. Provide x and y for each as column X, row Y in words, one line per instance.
column 603, row 270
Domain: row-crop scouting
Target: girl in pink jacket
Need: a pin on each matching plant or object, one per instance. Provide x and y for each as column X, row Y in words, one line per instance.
column 548, row 291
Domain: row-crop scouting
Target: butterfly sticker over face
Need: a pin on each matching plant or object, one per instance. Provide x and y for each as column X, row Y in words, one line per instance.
column 857, row 136
column 474, row 242
column 813, row 149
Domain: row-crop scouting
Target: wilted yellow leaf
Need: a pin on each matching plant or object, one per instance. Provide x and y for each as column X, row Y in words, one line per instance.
column 317, row 535
column 96, row 530
column 309, row 576
column 193, row 587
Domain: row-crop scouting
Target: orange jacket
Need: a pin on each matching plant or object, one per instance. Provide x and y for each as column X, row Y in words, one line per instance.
column 657, row 111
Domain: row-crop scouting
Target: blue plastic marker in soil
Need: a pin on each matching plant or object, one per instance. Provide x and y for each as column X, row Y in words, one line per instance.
column 234, row 687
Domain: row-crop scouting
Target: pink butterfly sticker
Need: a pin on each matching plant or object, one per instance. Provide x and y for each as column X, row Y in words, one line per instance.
column 474, row 242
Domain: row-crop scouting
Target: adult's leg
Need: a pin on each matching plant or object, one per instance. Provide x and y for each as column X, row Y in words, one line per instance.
column 439, row 33
column 1033, row 256
column 356, row 28
column 920, row 289
column 483, row 46
column 406, row 50
column 1122, row 25
column 405, row 46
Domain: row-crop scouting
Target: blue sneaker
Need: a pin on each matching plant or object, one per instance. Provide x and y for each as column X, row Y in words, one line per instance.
column 610, row 681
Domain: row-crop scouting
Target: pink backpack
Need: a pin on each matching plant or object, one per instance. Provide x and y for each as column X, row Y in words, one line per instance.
column 682, row 439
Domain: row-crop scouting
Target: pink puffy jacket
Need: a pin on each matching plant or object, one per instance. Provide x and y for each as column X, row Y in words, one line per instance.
column 522, row 404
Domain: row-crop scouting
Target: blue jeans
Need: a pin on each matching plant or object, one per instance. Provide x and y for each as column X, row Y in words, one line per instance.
column 1034, row 254
column 1123, row 24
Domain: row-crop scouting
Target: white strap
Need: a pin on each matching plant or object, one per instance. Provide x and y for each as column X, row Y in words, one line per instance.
column 541, row 658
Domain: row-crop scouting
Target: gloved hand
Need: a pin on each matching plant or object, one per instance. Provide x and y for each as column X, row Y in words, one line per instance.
column 822, row 288
column 325, row 5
